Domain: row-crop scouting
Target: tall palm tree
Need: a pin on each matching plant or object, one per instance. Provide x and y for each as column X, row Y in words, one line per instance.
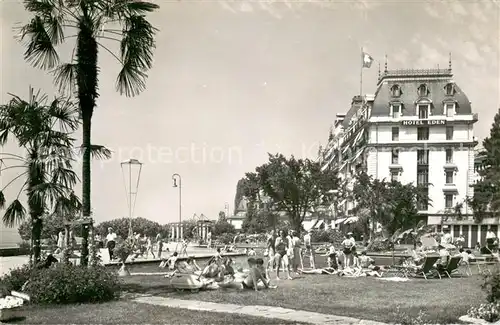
column 44, row 130
column 90, row 22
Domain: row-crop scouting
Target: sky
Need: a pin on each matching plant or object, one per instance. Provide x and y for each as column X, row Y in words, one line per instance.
column 233, row 81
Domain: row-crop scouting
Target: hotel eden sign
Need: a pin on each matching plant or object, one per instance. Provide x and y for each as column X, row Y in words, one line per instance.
column 423, row 122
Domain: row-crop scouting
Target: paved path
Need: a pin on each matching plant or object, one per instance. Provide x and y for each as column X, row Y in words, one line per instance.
column 261, row 311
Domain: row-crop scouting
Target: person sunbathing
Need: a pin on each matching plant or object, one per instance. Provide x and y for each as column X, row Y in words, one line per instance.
column 326, row 270
column 367, row 265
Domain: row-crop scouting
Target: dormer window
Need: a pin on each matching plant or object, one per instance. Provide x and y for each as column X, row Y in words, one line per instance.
column 450, row 89
column 396, row 91
column 423, row 111
column 423, row 91
column 396, row 110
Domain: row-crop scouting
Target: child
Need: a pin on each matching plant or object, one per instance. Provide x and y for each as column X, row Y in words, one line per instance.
column 332, row 260
column 255, row 275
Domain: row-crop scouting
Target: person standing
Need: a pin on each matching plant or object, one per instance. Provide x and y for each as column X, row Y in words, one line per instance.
column 349, row 246
column 271, row 242
column 490, row 239
column 149, row 247
column 297, row 256
column 281, row 255
column 111, row 242
column 309, row 249
column 159, row 242
column 209, row 239
column 60, row 243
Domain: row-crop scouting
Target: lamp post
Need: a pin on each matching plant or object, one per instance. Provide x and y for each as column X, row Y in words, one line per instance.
column 131, row 193
column 177, row 178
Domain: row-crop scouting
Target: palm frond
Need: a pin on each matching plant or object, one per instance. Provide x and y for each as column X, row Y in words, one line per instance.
column 15, row 214
column 2, row 200
column 98, row 152
column 46, row 192
column 64, row 176
column 65, row 114
column 65, row 77
column 40, row 51
column 119, row 8
column 68, row 205
column 136, row 51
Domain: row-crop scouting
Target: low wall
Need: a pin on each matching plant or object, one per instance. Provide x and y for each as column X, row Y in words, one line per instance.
column 13, row 251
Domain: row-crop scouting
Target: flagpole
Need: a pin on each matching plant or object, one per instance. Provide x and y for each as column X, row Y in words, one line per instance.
column 361, row 75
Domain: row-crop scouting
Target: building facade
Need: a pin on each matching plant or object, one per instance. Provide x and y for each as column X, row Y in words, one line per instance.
column 417, row 128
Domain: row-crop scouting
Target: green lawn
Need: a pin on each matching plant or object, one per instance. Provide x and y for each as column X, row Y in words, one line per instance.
column 126, row 312
column 366, row 298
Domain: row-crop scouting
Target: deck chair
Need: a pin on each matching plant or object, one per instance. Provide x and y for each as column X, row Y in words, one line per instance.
column 427, row 268
column 452, row 266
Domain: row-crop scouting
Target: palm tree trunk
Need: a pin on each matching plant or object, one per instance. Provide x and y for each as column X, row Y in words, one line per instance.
column 87, row 94
column 36, row 234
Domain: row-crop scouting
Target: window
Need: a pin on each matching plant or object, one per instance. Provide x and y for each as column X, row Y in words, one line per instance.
column 423, row 157
column 395, row 156
column 396, row 110
column 396, row 91
column 449, row 156
column 449, row 133
column 394, row 176
column 450, row 109
column 395, row 134
column 422, row 176
column 450, row 89
column 423, row 133
column 449, row 177
column 422, row 91
column 423, row 111
column 448, row 201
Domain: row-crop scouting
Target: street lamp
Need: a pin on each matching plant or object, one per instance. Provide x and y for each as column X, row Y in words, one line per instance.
column 177, row 178
column 132, row 193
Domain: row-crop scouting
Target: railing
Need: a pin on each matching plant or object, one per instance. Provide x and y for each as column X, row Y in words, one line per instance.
column 414, row 72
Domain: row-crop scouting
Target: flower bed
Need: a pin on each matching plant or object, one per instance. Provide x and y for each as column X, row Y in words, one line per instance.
column 10, row 308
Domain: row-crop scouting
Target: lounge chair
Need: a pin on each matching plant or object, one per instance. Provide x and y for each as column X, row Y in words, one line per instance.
column 427, row 268
column 452, row 266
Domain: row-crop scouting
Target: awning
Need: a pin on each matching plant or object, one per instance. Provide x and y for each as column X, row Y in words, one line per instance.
column 359, row 153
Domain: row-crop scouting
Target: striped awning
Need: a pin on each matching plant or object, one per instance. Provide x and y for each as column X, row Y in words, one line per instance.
column 359, row 153
column 339, row 221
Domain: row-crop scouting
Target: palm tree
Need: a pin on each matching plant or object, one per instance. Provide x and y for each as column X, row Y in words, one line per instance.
column 44, row 130
column 90, row 22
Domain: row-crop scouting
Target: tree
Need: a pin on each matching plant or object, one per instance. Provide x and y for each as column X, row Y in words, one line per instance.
column 44, row 130
column 222, row 227
column 403, row 206
column 222, row 216
column 487, row 190
column 90, row 22
column 142, row 226
column 371, row 197
column 258, row 221
column 293, row 185
column 52, row 225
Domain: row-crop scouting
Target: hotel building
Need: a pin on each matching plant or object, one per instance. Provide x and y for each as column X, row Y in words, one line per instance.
column 417, row 128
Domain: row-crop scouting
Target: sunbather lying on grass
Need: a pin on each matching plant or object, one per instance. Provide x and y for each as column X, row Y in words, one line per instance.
column 326, row 270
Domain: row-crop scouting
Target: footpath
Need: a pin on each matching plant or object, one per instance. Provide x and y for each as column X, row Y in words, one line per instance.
column 260, row 311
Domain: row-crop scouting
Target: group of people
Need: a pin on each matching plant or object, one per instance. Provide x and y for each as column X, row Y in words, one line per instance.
column 287, row 252
column 220, row 271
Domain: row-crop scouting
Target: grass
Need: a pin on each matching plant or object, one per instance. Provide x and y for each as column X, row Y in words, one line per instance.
column 126, row 312
column 443, row 301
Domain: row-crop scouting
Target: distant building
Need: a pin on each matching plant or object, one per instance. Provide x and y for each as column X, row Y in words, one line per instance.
column 417, row 128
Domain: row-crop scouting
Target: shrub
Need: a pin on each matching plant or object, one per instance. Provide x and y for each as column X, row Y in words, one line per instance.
column 491, row 286
column 490, row 312
column 330, row 235
column 67, row 283
column 15, row 279
column 404, row 318
column 123, row 250
column 225, row 239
